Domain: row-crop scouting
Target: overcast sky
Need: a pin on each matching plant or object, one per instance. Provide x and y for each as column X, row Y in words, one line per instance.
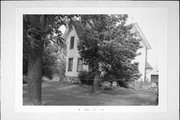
column 152, row 22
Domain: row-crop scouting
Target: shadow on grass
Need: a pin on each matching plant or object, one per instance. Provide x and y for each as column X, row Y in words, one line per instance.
column 58, row 93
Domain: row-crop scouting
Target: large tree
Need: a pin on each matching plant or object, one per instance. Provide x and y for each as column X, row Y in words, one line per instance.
column 38, row 32
column 109, row 46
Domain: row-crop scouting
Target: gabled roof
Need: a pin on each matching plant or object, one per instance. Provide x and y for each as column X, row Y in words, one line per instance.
column 75, row 25
column 148, row 66
column 78, row 27
column 141, row 35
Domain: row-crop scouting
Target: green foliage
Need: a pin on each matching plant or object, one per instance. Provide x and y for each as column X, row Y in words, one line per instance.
column 59, row 66
column 86, row 77
column 109, row 77
column 53, row 61
column 109, row 46
column 48, row 62
column 46, row 27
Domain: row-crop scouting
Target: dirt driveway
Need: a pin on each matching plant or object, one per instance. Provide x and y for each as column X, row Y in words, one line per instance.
column 57, row 93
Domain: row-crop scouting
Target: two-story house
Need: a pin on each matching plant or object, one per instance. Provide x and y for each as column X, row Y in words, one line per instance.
column 74, row 62
column 142, row 59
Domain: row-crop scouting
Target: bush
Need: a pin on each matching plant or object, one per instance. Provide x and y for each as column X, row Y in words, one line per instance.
column 48, row 64
column 86, row 77
column 110, row 77
column 122, row 83
column 53, row 62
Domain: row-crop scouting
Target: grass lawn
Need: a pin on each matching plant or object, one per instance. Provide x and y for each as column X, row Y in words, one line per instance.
column 58, row 93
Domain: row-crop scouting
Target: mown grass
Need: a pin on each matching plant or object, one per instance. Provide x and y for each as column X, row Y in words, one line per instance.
column 58, row 93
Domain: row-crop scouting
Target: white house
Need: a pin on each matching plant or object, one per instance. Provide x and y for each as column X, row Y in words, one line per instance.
column 142, row 59
column 148, row 72
column 74, row 63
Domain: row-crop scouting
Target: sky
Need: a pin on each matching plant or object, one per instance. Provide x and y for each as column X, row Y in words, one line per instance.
column 152, row 22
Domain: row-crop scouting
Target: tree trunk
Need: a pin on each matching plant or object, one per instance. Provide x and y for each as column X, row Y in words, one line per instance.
column 95, row 83
column 35, row 76
column 35, row 60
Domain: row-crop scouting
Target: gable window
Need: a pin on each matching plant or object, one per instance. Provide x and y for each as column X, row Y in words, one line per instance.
column 80, row 65
column 72, row 42
column 70, row 64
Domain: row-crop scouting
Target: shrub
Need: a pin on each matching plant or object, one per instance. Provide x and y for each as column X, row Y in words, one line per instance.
column 48, row 64
column 110, row 77
column 86, row 77
column 122, row 83
column 54, row 61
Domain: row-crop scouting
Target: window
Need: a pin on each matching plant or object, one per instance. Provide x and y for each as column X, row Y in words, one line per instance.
column 80, row 65
column 70, row 64
column 72, row 42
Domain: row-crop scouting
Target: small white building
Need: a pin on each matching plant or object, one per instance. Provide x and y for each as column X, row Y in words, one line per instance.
column 75, row 64
column 154, row 75
column 149, row 70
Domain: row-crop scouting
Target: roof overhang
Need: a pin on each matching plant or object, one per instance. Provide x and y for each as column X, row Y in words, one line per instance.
column 141, row 35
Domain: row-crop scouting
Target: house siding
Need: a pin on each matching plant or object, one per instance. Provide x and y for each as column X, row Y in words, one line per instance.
column 148, row 75
column 72, row 53
column 141, row 60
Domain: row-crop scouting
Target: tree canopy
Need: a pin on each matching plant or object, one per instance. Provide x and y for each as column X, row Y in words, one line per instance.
column 50, row 35
column 109, row 46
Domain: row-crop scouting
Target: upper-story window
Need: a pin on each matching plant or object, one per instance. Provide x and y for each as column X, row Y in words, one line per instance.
column 72, row 42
